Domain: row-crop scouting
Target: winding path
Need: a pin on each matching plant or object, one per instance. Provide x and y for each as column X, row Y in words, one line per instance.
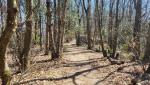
column 81, row 67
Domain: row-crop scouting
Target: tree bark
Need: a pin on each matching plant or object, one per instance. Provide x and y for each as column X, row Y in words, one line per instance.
column 57, row 53
column 46, row 39
column 2, row 17
column 10, row 28
column 24, row 57
column 88, row 24
column 137, row 29
column 115, row 36
column 48, row 24
column 55, row 22
column 100, row 25
column 146, row 58
column 35, row 31
column 110, row 25
column 77, row 33
column 40, row 27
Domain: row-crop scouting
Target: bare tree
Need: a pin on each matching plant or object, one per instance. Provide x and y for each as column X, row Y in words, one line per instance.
column 47, row 27
column 2, row 17
column 77, row 34
column 115, row 36
column 88, row 23
column 24, row 57
column 10, row 28
column 40, row 27
column 110, row 25
column 36, row 20
column 99, row 14
column 57, row 44
column 137, row 28
column 147, row 49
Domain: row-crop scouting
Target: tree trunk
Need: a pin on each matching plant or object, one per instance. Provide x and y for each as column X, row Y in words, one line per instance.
column 47, row 41
column 110, row 25
column 146, row 58
column 35, row 31
column 5, row 38
column 49, row 23
column 77, row 34
column 83, row 19
column 88, row 24
column 137, row 28
column 57, row 53
column 55, row 30
column 78, row 40
column 40, row 27
column 100, row 18
column 53, row 34
column 2, row 17
column 24, row 57
column 115, row 36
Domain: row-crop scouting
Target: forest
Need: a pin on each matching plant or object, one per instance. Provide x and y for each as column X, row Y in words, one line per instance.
column 74, row 42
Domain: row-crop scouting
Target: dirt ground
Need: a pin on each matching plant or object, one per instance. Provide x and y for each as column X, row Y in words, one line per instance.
column 78, row 67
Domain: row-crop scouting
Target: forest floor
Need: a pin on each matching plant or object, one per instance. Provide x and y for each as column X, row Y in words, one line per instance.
column 79, row 66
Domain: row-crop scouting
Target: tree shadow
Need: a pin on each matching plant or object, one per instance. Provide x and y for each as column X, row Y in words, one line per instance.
column 43, row 61
column 134, row 74
column 82, row 63
column 111, row 73
column 93, row 59
column 72, row 76
column 72, row 63
column 74, row 81
column 80, row 52
column 78, row 64
column 117, row 70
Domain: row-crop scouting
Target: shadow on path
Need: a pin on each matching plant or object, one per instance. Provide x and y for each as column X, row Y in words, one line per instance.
column 72, row 76
column 117, row 70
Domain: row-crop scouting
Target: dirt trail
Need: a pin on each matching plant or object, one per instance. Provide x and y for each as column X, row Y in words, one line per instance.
column 81, row 67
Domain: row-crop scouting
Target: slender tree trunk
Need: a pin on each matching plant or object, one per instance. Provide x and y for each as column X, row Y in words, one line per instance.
column 55, row 30
column 59, row 31
column 35, row 31
column 147, row 48
column 100, row 19
column 46, row 40
column 57, row 53
column 89, row 35
column 10, row 28
column 40, row 27
column 53, row 34
column 63, row 27
column 19, row 35
column 48, row 24
column 78, row 40
column 130, row 12
column 88, row 24
column 2, row 17
column 115, row 37
column 110, row 25
column 83, row 19
column 24, row 57
column 137, row 29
